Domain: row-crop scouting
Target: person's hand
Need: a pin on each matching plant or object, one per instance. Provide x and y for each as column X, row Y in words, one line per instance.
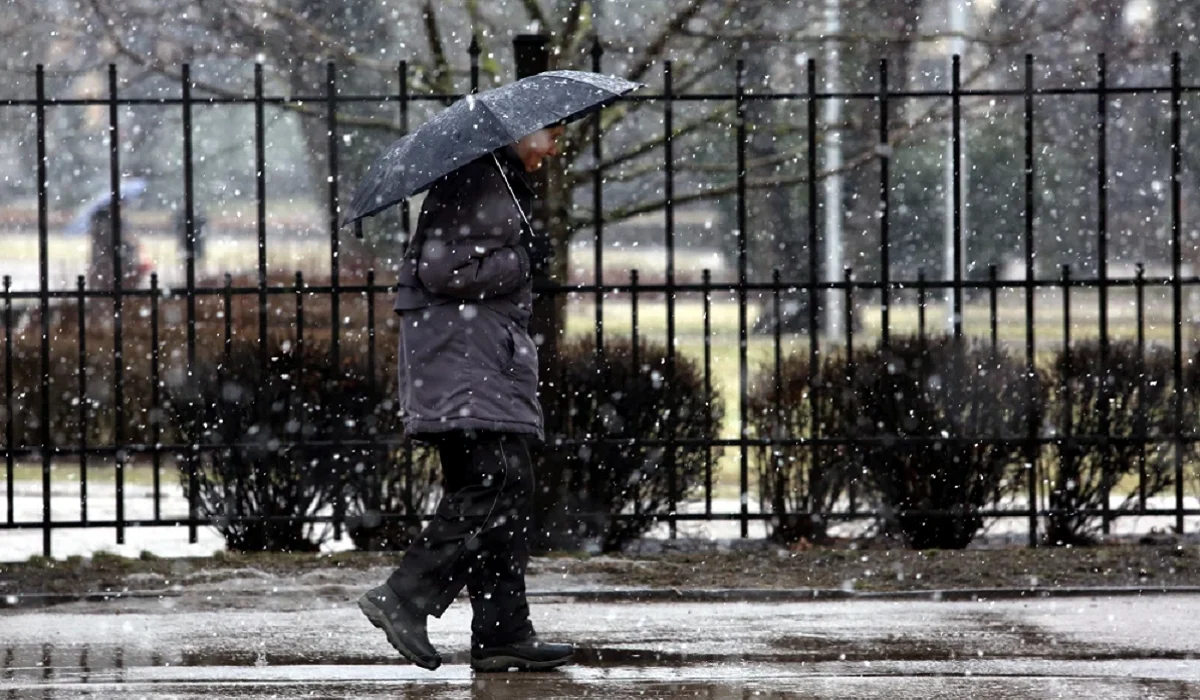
column 540, row 253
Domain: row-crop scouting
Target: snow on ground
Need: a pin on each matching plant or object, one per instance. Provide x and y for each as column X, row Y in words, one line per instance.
column 170, row 541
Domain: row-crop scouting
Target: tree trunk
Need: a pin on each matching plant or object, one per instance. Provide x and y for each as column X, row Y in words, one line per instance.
column 552, row 527
column 897, row 20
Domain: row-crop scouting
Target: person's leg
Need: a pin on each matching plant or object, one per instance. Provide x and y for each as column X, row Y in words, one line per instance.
column 400, row 606
column 422, row 579
column 496, row 575
column 478, row 537
column 502, row 635
column 488, row 480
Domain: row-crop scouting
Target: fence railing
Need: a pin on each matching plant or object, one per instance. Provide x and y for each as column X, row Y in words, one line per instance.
column 1014, row 299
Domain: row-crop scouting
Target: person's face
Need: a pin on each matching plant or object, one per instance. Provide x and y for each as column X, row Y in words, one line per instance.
column 538, row 146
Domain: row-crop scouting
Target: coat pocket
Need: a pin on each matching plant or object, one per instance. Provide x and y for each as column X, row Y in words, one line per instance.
column 522, row 357
column 510, row 348
column 487, row 340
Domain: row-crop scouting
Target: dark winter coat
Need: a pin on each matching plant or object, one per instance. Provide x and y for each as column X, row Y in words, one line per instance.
column 465, row 296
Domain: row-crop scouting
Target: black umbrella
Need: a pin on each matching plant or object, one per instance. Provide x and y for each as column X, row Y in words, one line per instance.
column 477, row 125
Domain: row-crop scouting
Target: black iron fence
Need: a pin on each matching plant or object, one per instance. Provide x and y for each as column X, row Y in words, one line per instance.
column 733, row 450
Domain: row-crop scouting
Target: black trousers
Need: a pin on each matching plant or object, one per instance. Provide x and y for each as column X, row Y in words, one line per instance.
column 479, row 537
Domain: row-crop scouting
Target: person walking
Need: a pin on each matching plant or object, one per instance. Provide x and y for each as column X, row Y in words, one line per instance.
column 468, row 367
column 468, row 380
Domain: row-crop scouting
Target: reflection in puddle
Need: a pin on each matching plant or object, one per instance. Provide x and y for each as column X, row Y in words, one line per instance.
column 106, row 662
column 112, row 672
column 49, row 663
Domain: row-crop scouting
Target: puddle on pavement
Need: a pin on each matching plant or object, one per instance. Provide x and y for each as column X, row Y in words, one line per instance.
column 551, row 686
column 50, row 662
column 85, row 663
column 49, row 672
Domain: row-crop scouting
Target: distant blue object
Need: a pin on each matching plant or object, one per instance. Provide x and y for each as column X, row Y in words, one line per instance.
column 131, row 188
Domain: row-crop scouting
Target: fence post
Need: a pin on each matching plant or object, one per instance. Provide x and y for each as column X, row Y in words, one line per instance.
column 743, row 338
column 1033, row 426
column 189, row 205
column 260, row 190
column 885, row 160
column 956, row 275
column 669, row 184
column 331, row 107
column 598, row 208
column 1176, row 276
column 118, row 267
column 44, row 306
column 9, row 420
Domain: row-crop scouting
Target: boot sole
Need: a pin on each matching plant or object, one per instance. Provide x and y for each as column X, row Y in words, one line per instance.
column 379, row 619
column 504, row 663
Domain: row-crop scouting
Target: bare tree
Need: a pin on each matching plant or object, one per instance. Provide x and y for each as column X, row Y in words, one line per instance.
column 366, row 39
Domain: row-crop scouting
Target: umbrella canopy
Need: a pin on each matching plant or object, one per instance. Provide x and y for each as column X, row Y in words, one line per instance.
column 477, row 125
column 129, row 188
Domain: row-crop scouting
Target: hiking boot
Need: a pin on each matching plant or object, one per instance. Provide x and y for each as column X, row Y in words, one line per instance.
column 529, row 655
column 404, row 628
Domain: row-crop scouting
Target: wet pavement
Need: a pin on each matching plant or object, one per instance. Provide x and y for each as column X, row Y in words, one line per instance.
column 1118, row 647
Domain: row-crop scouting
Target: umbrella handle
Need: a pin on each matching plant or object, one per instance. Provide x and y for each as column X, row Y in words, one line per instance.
column 511, row 192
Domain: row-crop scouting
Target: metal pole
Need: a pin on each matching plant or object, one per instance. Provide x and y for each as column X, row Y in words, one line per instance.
column 885, row 157
column 118, row 378
column 957, row 247
column 742, row 268
column 598, row 208
column 956, row 46
column 1176, row 276
column 189, row 204
column 44, row 306
column 331, row 104
column 260, row 189
column 669, row 168
column 833, row 163
column 1032, row 426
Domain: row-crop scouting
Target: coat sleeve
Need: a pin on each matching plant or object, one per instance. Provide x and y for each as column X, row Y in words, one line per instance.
column 468, row 271
column 469, row 250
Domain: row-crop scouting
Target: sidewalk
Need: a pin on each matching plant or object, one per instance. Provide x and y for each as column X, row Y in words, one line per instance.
column 681, row 626
column 291, row 644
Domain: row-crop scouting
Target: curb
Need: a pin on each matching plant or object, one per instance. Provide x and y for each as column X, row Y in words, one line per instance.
column 42, row 600
column 696, row 595
column 797, row 595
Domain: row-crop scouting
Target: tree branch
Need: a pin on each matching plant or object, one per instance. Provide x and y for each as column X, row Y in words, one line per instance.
column 250, row 35
column 656, row 47
column 631, row 174
column 214, row 90
column 441, row 70
column 577, row 178
column 808, row 36
column 572, row 37
column 333, row 45
column 899, row 137
column 623, row 213
column 687, row 81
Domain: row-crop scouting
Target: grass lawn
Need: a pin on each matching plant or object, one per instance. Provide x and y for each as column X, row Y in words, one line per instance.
column 725, row 324
column 760, row 351
column 64, row 473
